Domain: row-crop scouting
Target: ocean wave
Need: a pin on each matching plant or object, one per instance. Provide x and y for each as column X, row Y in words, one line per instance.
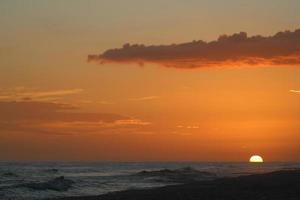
column 9, row 174
column 181, row 175
column 57, row 184
column 53, row 170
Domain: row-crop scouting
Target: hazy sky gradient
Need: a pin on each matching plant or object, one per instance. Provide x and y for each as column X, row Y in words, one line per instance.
column 159, row 113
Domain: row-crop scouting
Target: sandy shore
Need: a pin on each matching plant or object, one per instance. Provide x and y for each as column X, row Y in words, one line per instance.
column 280, row 185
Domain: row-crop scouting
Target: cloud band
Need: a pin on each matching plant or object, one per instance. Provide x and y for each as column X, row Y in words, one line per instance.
column 281, row 49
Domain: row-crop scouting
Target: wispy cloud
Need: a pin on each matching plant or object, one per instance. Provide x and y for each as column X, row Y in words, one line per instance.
column 281, row 49
column 22, row 93
column 57, row 118
column 103, row 102
column 56, row 93
column 188, row 126
column 131, row 122
column 295, row 91
column 144, row 98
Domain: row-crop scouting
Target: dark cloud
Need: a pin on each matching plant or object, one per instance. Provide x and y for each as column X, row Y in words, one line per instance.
column 238, row 49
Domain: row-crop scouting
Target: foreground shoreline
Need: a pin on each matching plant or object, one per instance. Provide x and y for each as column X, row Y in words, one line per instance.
column 279, row 185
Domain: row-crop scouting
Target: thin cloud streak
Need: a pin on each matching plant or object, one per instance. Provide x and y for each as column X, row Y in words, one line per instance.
column 281, row 49
column 144, row 98
column 53, row 93
column 295, row 91
column 103, row 102
column 56, row 118
column 21, row 94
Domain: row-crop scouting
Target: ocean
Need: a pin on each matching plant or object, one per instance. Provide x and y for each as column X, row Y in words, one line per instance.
column 35, row 180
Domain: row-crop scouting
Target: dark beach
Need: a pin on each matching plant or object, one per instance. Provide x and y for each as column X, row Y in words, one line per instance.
column 279, row 185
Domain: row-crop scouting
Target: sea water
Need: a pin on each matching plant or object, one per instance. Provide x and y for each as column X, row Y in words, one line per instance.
column 95, row 178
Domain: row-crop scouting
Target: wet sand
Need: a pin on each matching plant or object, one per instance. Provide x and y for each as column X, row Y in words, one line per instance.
column 280, row 185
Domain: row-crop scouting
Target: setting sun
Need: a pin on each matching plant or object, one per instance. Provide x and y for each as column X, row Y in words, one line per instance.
column 256, row 159
column 112, row 99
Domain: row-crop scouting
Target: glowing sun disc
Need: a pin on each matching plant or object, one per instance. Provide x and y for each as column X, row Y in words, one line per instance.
column 256, row 159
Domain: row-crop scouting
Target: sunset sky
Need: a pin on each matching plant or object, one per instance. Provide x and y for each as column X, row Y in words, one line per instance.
column 74, row 86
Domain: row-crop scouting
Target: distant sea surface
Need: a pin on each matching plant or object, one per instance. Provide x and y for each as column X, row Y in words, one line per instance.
column 95, row 178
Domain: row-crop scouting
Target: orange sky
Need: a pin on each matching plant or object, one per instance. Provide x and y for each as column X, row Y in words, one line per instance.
column 55, row 105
